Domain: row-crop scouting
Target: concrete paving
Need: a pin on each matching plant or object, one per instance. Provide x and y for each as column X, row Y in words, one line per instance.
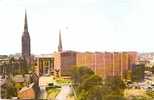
column 43, row 94
column 64, row 93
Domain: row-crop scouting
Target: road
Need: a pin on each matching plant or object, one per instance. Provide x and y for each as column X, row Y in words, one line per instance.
column 64, row 93
column 43, row 94
column 43, row 83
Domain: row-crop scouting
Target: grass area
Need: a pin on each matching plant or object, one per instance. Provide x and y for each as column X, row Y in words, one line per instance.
column 71, row 98
column 150, row 93
column 137, row 93
column 63, row 81
column 52, row 93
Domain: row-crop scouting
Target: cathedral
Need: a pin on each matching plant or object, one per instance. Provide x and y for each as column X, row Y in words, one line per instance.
column 26, row 48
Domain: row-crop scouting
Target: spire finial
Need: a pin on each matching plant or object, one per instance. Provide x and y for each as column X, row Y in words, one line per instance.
column 60, row 48
column 25, row 23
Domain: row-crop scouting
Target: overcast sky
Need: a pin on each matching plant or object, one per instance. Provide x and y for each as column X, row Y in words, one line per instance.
column 86, row 25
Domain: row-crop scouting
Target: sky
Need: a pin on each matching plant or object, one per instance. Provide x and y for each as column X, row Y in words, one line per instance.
column 86, row 25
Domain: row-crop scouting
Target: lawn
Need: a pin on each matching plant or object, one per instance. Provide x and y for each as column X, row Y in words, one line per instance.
column 63, row 81
column 52, row 93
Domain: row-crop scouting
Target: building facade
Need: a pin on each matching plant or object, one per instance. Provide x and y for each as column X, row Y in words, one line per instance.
column 104, row 64
column 64, row 62
column 44, row 65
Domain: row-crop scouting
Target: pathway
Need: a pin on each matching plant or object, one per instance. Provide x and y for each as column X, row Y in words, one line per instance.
column 64, row 93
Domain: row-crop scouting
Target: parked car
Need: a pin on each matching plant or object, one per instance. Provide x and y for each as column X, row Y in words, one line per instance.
column 51, row 84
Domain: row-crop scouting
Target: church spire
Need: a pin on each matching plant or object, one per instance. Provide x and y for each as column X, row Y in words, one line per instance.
column 25, row 23
column 60, row 48
column 26, row 47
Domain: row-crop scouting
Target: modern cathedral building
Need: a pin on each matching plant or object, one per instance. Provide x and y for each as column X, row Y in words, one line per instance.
column 61, row 63
column 26, row 48
column 104, row 64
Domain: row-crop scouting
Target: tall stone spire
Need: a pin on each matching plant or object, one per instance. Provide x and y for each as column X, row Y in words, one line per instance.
column 60, row 48
column 26, row 23
column 26, row 48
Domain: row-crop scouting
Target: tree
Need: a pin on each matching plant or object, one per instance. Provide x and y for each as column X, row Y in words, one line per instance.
column 115, row 85
column 140, row 98
column 83, row 95
column 127, row 75
column 114, row 97
column 79, row 74
column 11, row 65
column 91, row 81
column 152, row 69
column 90, row 86
column 150, row 93
column 10, row 89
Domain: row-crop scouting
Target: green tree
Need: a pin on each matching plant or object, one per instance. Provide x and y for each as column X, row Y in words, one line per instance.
column 90, row 86
column 10, row 89
column 83, row 95
column 152, row 69
column 115, row 85
column 114, row 97
column 150, row 93
column 80, row 73
column 140, row 98
column 91, row 81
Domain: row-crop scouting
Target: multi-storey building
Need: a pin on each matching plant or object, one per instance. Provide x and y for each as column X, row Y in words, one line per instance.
column 102, row 63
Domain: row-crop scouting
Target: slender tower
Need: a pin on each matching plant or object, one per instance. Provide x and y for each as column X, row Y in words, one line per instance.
column 26, row 52
column 60, row 47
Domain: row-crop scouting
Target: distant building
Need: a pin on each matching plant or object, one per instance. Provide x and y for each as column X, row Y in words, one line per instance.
column 26, row 48
column 11, row 66
column 44, row 65
column 138, row 72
